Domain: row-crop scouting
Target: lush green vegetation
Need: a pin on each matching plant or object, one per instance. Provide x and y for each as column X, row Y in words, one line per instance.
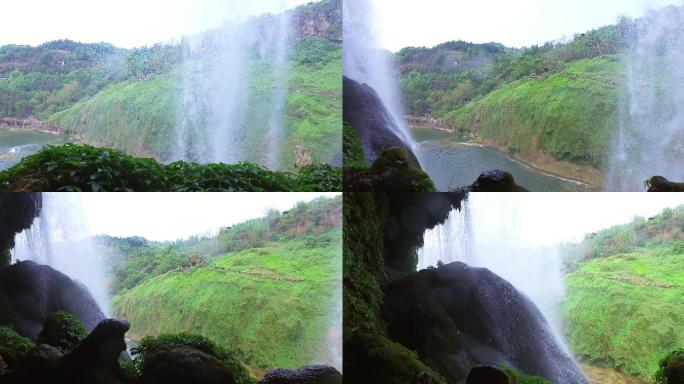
column 13, row 346
column 559, row 98
column 150, row 344
column 84, row 168
column 520, row 378
column 570, row 114
column 624, row 294
column 275, row 278
column 62, row 330
column 128, row 99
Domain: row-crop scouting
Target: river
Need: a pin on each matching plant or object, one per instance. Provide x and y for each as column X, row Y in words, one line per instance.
column 16, row 144
column 453, row 163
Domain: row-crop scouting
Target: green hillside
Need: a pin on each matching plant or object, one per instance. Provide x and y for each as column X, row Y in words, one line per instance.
column 569, row 114
column 624, row 289
column 138, row 116
column 545, row 103
column 264, row 288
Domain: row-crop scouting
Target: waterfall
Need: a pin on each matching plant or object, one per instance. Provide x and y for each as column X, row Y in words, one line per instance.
column 233, row 90
column 650, row 135
column 60, row 238
column 489, row 232
column 364, row 61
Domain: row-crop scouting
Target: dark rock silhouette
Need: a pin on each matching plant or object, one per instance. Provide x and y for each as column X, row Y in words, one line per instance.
column 39, row 366
column 457, row 317
column 485, row 374
column 313, row 374
column 495, row 181
column 373, row 124
column 30, row 292
column 98, row 354
column 17, row 211
column 661, row 184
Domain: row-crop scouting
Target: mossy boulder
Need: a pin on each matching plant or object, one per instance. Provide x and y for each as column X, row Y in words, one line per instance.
column 188, row 358
column 13, row 347
column 62, row 330
column 393, row 171
column 671, row 368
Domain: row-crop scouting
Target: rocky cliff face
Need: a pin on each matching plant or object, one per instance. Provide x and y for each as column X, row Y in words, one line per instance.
column 322, row 19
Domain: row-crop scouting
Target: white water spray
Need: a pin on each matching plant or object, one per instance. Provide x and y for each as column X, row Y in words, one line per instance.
column 60, row 238
column 233, row 94
column 487, row 233
column 650, row 137
column 364, row 61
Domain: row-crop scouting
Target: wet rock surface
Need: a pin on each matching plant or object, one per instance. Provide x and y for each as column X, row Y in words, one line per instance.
column 471, row 317
column 373, row 124
column 313, row 374
column 30, row 292
column 487, row 375
column 176, row 363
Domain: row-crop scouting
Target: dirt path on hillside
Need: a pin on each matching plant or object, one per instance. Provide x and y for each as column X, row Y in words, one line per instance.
column 260, row 275
column 627, row 280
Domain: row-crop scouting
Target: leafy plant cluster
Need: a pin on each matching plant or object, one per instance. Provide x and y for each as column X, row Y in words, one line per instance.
column 13, row 346
column 74, row 167
column 62, row 330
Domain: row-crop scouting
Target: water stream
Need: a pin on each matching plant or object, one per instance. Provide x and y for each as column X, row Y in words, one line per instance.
column 650, row 135
column 60, row 237
column 229, row 77
column 487, row 233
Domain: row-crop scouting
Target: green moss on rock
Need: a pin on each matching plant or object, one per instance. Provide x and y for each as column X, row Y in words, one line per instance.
column 671, row 369
column 62, row 330
column 392, row 171
column 13, row 347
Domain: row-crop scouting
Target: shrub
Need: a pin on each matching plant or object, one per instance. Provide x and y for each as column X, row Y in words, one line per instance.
column 13, row 346
column 73, row 167
column 200, row 343
column 62, row 330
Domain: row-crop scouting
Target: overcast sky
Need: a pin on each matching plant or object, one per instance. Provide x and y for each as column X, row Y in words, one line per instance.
column 170, row 216
column 514, row 23
column 542, row 219
column 124, row 23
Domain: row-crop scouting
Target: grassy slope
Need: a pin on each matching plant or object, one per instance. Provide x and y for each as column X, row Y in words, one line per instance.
column 627, row 324
column 275, row 323
column 569, row 114
column 121, row 114
column 134, row 116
